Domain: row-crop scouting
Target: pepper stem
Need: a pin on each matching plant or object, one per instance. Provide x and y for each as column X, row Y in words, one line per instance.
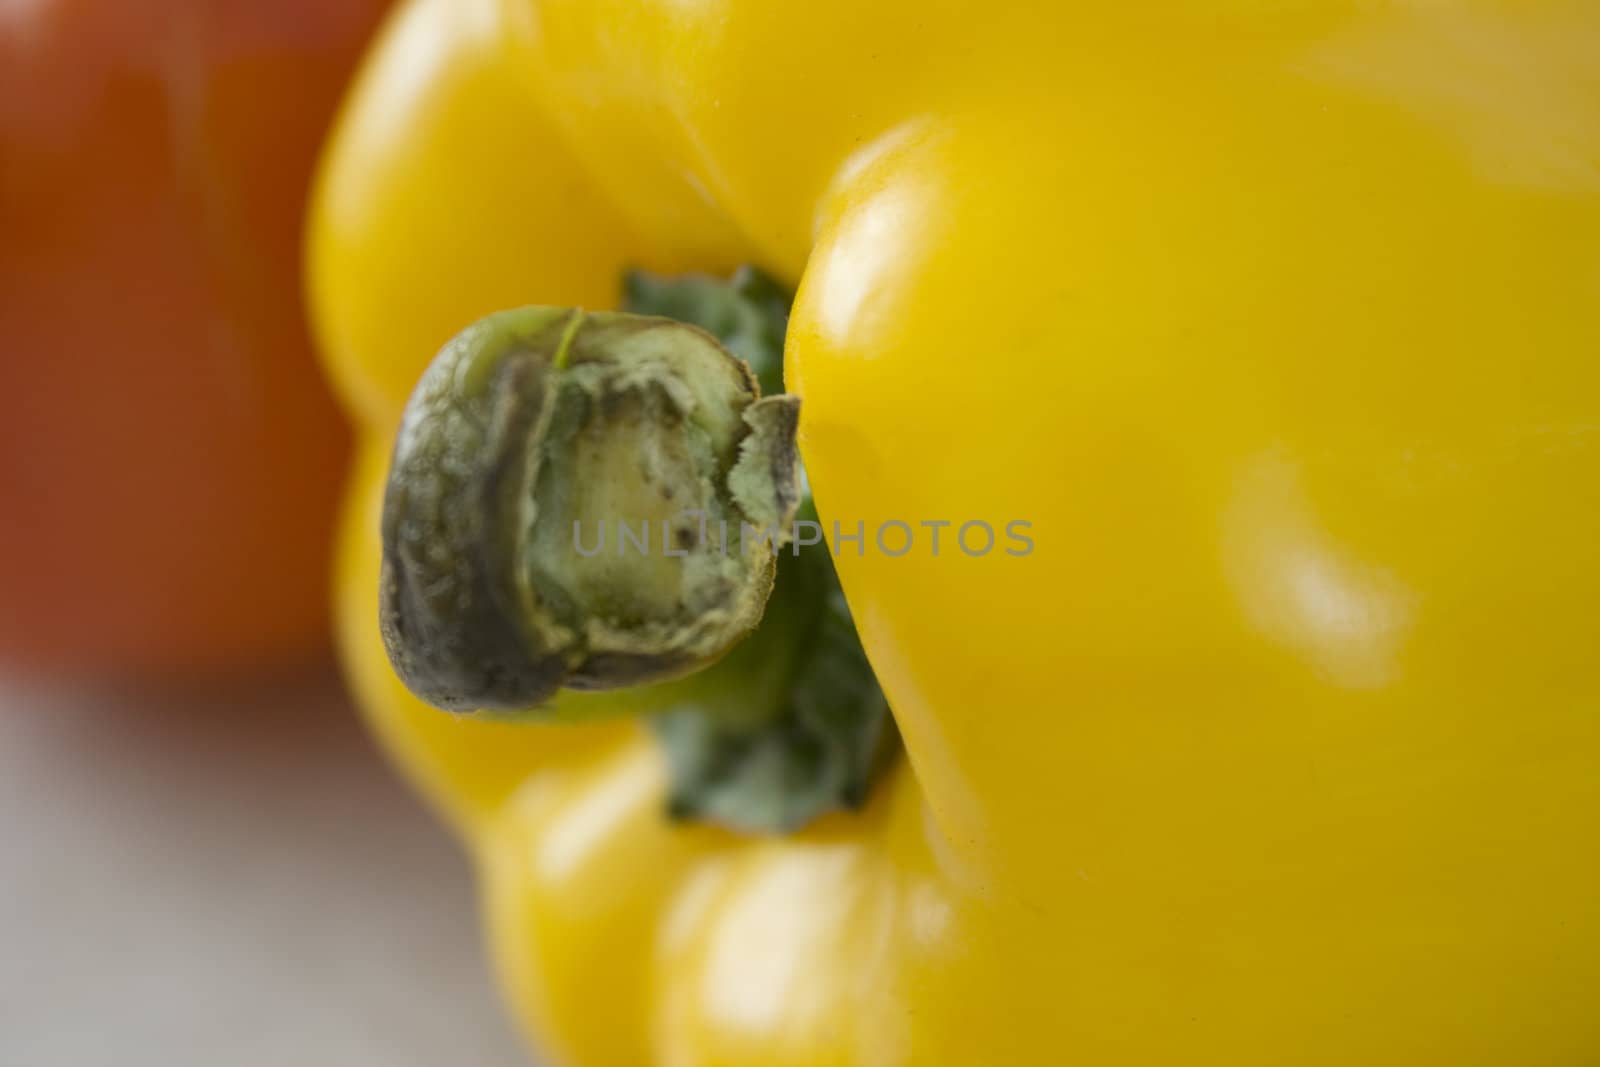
column 536, row 425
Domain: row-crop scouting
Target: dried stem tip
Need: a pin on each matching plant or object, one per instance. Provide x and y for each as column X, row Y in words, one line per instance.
column 557, row 502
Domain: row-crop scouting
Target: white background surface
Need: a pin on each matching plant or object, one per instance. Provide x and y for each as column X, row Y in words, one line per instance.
column 227, row 878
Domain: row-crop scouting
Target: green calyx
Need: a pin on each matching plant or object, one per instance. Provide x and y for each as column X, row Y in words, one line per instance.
column 792, row 724
column 604, row 500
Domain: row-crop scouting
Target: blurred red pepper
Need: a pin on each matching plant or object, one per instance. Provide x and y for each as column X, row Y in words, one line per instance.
column 169, row 462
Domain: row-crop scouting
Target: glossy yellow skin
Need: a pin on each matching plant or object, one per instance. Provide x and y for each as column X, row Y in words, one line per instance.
column 1281, row 325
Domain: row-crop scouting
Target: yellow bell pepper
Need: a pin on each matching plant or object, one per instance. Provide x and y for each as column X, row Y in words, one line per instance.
column 1280, row 325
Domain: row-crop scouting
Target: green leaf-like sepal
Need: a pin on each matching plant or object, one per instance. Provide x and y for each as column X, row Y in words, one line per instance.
column 792, row 724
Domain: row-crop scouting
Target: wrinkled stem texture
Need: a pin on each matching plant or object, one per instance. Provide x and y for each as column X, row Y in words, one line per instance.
column 602, row 500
